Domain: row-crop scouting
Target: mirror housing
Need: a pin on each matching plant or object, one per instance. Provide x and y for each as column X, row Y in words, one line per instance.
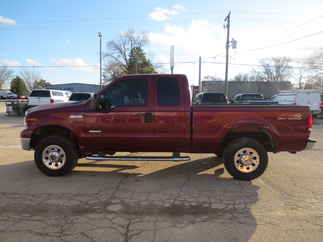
column 104, row 104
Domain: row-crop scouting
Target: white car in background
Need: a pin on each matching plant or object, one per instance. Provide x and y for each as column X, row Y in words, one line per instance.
column 303, row 97
column 46, row 96
column 7, row 95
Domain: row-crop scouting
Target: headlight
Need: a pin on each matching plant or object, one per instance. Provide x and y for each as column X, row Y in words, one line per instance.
column 25, row 118
column 29, row 120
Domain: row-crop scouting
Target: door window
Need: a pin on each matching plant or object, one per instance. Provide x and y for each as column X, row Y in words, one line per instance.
column 128, row 92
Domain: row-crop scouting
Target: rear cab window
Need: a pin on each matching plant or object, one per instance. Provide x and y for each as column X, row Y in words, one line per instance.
column 40, row 93
column 168, row 92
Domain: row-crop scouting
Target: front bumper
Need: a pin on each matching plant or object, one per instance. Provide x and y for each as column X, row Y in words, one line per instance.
column 25, row 143
column 25, row 139
column 310, row 144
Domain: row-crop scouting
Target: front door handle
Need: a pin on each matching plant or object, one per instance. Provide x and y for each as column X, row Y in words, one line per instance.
column 148, row 117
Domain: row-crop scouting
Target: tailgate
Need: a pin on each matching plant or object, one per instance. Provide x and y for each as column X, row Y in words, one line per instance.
column 35, row 101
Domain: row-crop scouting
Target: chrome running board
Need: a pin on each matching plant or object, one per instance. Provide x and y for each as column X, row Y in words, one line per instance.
column 138, row 158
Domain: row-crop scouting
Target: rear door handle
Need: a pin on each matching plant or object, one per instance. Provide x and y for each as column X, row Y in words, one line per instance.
column 148, row 117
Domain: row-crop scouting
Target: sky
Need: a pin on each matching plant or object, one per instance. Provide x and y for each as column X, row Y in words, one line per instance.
column 63, row 33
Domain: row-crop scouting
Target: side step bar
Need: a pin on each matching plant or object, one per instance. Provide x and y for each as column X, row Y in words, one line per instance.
column 138, row 158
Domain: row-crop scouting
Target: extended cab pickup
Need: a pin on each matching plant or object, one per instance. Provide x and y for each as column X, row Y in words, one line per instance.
column 153, row 113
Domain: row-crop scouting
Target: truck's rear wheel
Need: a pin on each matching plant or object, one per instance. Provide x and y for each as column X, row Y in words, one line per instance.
column 245, row 159
column 55, row 155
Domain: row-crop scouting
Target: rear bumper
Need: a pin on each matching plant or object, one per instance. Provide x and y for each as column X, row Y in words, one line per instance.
column 310, row 144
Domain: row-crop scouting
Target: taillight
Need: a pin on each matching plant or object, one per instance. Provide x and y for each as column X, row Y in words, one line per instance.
column 52, row 101
column 310, row 121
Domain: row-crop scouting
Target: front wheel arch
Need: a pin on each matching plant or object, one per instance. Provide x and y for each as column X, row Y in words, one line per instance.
column 49, row 130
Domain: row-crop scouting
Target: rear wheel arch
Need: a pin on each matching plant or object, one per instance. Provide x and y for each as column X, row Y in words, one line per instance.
column 261, row 135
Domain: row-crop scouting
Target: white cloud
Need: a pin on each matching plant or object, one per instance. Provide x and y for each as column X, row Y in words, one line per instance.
column 207, row 39
column 9, row 62
column 32, row 62
column 162, row 14
column 78, row 63
column 7, row 20
column 199, row 38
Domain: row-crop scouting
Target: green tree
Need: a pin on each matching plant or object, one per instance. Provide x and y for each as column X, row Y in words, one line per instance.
column 41, row 84
column 18, row 86
column 138, row 63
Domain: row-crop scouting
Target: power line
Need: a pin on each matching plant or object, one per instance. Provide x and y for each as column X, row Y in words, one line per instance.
column 285, row 42
column 292, row 29
column 155, row 63
column 48, row 67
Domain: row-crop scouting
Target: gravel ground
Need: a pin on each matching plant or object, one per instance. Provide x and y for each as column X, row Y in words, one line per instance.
column 159, row 201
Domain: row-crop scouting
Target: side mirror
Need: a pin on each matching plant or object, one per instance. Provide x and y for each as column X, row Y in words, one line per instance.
column 104, row 103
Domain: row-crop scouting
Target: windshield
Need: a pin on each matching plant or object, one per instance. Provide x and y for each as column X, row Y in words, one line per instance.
column 252, row 97
column 214, row 98
column 40, row 93
column 79, row 96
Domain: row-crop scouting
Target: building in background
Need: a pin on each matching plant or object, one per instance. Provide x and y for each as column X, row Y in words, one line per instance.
column 76, row 87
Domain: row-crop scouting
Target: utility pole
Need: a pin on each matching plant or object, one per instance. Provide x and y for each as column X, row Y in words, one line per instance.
column 200, row 72
column 100, row 37
column 171, row 56
column 227, row 46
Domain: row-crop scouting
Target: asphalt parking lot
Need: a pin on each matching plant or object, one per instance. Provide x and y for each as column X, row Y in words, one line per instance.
column 159, row 201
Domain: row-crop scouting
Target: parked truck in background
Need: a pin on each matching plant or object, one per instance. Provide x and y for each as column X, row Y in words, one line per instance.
column 153, row 113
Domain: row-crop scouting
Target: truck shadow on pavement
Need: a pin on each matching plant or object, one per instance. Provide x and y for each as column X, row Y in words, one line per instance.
column 184, row 200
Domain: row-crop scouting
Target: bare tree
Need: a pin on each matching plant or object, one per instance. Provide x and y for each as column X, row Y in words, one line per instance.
column 123, row 54
column 275, row 69
column 241, row 77
column 314, row 63
column 29, row 78
column 5, row 75
column 212, row 78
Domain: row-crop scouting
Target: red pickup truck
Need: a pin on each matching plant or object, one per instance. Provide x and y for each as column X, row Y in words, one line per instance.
column 153, row 113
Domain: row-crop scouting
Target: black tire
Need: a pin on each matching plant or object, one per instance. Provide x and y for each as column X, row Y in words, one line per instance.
column 236, row 147
column 219, row 154
column 68, row 147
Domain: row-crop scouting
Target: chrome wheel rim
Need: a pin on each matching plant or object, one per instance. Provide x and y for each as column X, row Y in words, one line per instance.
column 54, row 157
column 246, row 160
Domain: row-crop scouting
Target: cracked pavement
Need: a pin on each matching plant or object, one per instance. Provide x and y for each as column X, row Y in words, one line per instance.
column 159, row 201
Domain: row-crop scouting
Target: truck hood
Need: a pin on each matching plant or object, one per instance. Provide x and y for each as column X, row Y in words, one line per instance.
column 59, row 107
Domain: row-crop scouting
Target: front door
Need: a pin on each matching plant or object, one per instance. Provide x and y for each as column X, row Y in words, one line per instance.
column 129, row 124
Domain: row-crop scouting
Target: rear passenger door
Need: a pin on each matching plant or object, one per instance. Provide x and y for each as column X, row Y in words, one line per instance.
column 171, row 114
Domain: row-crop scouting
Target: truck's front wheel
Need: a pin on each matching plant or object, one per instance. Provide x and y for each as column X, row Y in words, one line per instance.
column 55, row 155
column 245, row 159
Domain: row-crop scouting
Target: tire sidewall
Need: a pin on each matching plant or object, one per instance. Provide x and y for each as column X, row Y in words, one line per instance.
column 66, row 145
column 238, row 144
